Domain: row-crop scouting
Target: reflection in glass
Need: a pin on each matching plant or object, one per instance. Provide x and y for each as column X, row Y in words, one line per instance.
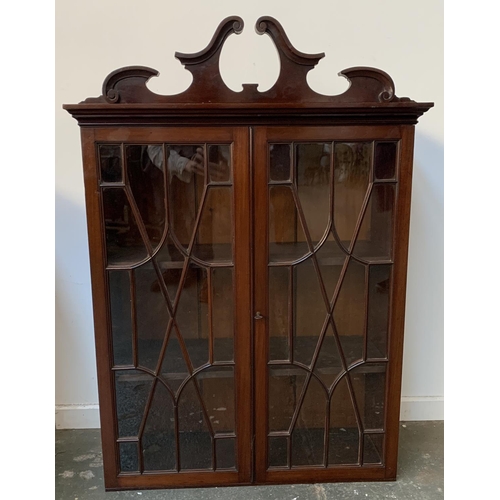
column 225, row 452
column 373, row 448
column 158, row 439
column 351, row 176
column 308, row 434
column 124, row 244
column 186, row 178
column 279, row 162
column 378, row 310
column 214, row 239
column 286, row 236
column 121, row 317
column 110, row 160
column 195, row 442
column 285, row 386
column 277, row 453
column 132, row 391
column 344, row 432
column 129, row 461
column 219, row 163
column 279, row 292
column 152, row 315
column 349, row 312
column 385, row 160
column 375, row 237
column 223, row 313
column 369, row 388
column 217, row 391
column 147, row 183
column 313, row 186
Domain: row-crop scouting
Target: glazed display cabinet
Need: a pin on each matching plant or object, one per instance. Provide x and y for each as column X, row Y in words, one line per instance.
column 248, row 258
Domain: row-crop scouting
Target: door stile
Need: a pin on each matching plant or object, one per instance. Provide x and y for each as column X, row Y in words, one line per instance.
column 243, row 301
column 260, row 299
column 101, row 317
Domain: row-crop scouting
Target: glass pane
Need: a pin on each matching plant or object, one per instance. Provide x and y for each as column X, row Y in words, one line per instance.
column 223, row 313
column 351, row 176
column 378, row 311
column 124, row 244
column 344, row 432
column 309, row 311
column 174, row 368
column 308, row 436
column 129, row 461
column 170, row 260
column 328, row 365
column 132, row 391
column 375, row 237
column 373, row 448
column 349, row 312
column 147, row 184
column 192, row 315
column 369, row 387
column 313, row 186
column 286, row 236
column 225, row 452
column 217, row 391
column 330, row 260
column 279, row 294
column 279, row 162
column 285, row 386
column 385, row 160
column 121, row 319
column 214, row 239
column 277, row 452
column 158, row 439
column 152, row 315
column 219, row 163
column 186, row 183
column 110, row 160
column 195, row 442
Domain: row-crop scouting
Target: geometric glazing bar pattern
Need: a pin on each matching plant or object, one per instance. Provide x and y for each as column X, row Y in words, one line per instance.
column 331, row 207
column 168, row 216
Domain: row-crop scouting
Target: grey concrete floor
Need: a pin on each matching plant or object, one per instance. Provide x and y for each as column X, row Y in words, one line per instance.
column 79, row 474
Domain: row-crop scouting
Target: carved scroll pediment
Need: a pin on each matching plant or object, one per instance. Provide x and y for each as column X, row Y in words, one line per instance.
column 128, row 85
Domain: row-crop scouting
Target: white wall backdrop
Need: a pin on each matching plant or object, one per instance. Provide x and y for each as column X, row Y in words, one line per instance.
column 405, row 39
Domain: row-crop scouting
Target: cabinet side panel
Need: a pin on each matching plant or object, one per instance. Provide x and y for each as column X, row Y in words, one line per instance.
column 100, row 300
column 397, row 318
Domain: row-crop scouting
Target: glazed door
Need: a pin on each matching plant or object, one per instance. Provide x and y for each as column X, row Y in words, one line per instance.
column 174, row 338
column 324, row 281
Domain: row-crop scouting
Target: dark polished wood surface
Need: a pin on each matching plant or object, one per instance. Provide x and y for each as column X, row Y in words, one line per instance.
column 126, row 100
column 128, row 113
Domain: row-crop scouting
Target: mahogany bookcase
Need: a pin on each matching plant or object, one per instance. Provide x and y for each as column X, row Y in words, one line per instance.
column 248, row 258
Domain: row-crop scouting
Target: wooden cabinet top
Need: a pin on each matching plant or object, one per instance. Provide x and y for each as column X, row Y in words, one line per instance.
column 126, row 99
